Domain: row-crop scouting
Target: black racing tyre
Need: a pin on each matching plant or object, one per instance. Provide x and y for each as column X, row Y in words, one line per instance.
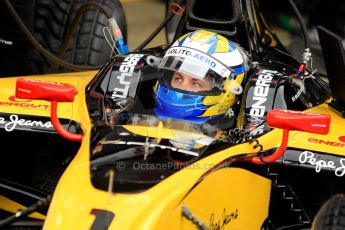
column 89, row 46
column 331, row 216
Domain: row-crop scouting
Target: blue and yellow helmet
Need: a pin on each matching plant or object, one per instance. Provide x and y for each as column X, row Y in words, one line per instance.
column 202, row 55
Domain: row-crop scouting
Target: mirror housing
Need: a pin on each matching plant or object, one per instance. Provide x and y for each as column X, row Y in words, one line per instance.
column 300, row 121
column 50, row 91
column 293, row 120
column 45, row 90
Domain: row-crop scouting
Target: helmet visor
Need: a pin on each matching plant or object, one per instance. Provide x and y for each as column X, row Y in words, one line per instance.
column 180, row 66
column 194, row 62
column 209, row 85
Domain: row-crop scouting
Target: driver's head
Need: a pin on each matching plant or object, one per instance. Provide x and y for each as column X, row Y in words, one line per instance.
column 189, row 83
column 201, row 73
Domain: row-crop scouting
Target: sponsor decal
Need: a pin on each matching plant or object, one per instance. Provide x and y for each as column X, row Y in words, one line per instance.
column 310, row 158
column 122, row 80
column 23, row 104
column 196, row 55
column 14, row 121
column 326, row 142
column 6, row 42
column 227, row 217
column 103, row 219
column 298, row 94
column 261, row 90
column 212, row 63
column 13, row 98
column 318, row 125
column 44, row 82
column 342, row 138
column 256, row 126
column 258, row 108
column 300, row 112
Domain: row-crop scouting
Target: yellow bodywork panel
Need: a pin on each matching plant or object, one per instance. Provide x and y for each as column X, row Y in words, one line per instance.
column 329, row 143
column 12, row 105
column 230, row 198
column 75, row 199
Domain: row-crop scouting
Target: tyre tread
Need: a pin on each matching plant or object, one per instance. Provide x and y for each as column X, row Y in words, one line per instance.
column 331, row 216
column 52, row 18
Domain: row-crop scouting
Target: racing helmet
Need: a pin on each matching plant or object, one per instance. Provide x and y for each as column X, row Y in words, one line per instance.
column 205, row 56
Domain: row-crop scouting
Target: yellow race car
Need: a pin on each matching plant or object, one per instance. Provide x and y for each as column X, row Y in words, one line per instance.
column 83, row 150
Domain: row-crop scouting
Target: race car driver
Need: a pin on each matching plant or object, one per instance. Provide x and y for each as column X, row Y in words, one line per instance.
column 201, row 78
